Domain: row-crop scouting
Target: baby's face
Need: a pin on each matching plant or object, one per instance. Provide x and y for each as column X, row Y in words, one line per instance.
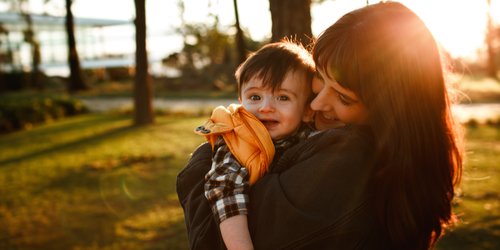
column 281, row 111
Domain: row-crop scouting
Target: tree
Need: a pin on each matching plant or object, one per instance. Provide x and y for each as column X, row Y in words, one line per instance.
column 490, row 37
column 209, row 56
column 207, row 60
column 291, row 18
column 143, row 111
column 240, row 43
column 30, row 38
column 75, row 82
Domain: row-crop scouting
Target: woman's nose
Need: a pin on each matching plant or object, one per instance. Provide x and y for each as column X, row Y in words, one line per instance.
column 319, row 103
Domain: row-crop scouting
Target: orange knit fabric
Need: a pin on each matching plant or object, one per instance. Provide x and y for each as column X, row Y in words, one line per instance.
column 247, row 138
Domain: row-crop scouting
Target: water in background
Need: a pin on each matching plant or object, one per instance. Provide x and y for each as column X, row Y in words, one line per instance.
column 463, row 112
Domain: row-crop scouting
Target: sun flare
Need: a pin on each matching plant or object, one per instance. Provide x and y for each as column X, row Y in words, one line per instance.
column 459, row 26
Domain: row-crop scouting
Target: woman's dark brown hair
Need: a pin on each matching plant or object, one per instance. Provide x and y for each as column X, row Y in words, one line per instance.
column 387, row 56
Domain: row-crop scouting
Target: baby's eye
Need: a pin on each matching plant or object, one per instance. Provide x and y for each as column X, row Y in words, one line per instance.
column 254, row 98
column 283, row 98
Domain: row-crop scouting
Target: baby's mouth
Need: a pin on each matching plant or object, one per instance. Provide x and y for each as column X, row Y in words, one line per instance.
column 269, row 123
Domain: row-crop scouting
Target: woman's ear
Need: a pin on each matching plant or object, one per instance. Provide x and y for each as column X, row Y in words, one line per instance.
column 308, row 114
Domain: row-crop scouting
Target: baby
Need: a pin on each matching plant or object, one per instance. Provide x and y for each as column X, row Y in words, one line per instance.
column 274, row 91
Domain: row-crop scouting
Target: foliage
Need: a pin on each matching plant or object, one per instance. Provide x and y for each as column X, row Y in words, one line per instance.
column 18, row 80
column 119, row 73
column 22, row 111
column 95, row 182
column 208, row 59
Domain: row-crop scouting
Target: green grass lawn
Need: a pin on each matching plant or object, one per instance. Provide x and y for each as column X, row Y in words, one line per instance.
column 478, row 202
column 95, row 182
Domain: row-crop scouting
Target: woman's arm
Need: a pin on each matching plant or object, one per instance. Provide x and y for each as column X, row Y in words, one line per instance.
column 202, row 227
column 320, row 197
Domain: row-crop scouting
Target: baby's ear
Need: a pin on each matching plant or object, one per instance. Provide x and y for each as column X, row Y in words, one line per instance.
column 308, row 114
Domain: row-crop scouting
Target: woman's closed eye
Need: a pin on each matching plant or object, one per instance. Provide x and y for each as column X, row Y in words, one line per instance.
column 344, row 100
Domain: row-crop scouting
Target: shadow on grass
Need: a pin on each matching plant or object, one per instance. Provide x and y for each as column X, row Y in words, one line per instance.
column 131, row 205
column 58, row 130
column 74, row 123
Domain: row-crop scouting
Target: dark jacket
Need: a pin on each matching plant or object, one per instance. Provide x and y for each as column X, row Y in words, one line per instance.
column 315, row 197
column 202, row 226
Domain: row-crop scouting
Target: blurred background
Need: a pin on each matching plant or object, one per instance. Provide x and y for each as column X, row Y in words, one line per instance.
column 98, row 99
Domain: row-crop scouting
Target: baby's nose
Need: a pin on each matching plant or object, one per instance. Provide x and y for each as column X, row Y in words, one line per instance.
column 267, row 105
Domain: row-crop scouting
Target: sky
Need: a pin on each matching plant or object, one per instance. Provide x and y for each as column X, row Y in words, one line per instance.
column 459, row 25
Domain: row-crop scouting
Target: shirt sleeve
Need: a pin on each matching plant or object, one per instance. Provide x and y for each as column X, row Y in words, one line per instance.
column 226, row 186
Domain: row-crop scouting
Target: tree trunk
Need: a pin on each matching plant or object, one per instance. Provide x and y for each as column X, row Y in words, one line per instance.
column 240, row 43
column 143, row 111
column 75, row 82
column 490, row 35
column 29, row 37
column 292, row 19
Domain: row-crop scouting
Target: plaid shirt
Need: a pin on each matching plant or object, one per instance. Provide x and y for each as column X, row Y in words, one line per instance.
column 227, row 182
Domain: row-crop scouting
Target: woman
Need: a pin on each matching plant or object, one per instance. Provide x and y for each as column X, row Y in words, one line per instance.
column 386, row 179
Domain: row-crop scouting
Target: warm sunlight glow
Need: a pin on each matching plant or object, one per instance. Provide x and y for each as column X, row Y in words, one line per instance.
column 458, row 25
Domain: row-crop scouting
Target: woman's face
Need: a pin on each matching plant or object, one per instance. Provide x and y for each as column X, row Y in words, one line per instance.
column 335, row 105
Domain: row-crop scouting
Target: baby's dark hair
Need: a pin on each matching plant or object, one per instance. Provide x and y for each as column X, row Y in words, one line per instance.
column 273, row 61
